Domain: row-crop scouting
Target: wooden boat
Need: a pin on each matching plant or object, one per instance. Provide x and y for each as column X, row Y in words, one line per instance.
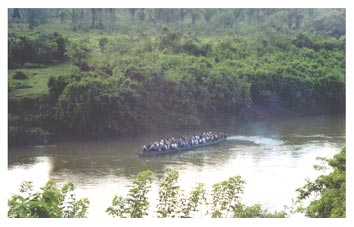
column 170, row 151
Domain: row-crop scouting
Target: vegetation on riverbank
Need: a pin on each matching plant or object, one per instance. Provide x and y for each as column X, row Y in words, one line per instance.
column 327, row 192
column 49, row 202
column 173, row 202
column 101, row 72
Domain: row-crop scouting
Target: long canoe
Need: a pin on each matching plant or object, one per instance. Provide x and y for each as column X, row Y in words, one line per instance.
column 151, row 153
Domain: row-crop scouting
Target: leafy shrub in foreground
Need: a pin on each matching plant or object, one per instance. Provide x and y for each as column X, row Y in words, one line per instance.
column 49, row 202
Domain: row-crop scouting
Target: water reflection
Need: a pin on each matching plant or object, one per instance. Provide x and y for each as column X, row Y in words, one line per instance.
column 37, row 169
column 273, row 156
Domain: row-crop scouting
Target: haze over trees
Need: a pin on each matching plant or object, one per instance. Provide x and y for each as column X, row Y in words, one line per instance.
column 103, row 72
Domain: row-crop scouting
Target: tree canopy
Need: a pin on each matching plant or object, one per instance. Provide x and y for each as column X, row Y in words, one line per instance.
column 195, row 66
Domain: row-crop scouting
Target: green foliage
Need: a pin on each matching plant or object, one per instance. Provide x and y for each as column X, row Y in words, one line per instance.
column 54, row 202
column 80, row 103
column 197, row 66
column 173, row 202
column 49, row 202
column 332, row 23
column 102, row 42
column 196, row 199
column 235, row 21
column 169, row 196
column 136, row 203
column 20, row 135
column 92, row 106
column 37, row 82
column 56, row 85
column 226, row 197
column 19, row 85
column 35, row 17
column 256, row 211
column 45, row 48
column 79, row 52
column 329, row 191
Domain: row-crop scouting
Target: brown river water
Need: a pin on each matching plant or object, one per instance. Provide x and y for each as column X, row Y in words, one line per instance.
column 273, row 156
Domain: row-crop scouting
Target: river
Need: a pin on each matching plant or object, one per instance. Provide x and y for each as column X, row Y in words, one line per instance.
column 273, row 156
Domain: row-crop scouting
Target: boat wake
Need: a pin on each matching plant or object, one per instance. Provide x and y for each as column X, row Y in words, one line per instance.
column 319, row 136
column 260, row 140
column 44, row 146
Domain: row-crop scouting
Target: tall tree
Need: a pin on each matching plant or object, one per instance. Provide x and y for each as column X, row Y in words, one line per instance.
column 16, row 13
column 81, row 18
column 93, row 17
column 182, row 13
column 100, row 14
column 35, row 17
column 298, row 18
column 132, row 12
column 290, row 18
column 157, row 17
column 141, row 15
column 208, row 14
column 63, row 13
column 295, row 16
column 111, row 18
column 250, row 14
column 195, row 14
column 237, row 14
column 74, row 19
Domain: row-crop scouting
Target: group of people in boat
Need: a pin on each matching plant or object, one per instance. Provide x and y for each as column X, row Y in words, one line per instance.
column 182, row 142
